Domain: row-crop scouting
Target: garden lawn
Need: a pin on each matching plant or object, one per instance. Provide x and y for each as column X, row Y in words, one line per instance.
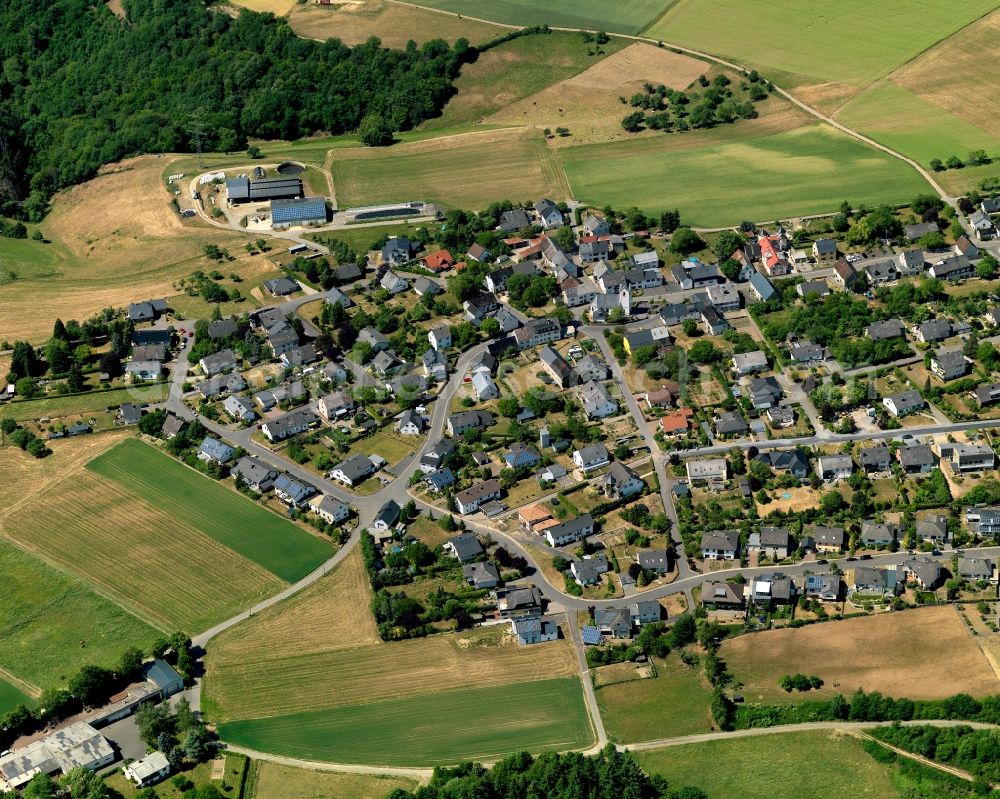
column 11, row 696
column 851, row 42
column 630, row 17
column 779, row 766
column 51, row 624
column 230, row 518
column 675, row 702
column 440, row 729
column 815, row 167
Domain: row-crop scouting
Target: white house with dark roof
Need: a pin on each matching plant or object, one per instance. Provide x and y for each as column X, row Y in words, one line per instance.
column 720, row 544
column 471, row 499
column 591, row 457
column 903, row 403
column 596, row 401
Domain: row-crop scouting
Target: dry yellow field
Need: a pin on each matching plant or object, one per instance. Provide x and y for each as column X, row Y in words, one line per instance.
column 974, row 53
column 276, row 7
column 588, row 104
column 164, row 571
column 320, row 650
column 394, row 24
column 275, row 781
column 115, row 239
column 925, row 653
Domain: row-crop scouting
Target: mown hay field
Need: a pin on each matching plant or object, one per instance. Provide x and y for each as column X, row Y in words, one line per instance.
column 320, row 649
column 457, row 723
column 630, row 17
column 275, row 781
column 159, row 567
column 774, row 766
column 393, row 23
column 903, row 654
column 732, row 175
column 465, row 171
column 229, row 518
column 854, row 42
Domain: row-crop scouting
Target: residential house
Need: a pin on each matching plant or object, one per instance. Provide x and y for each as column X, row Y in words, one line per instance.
column 520, row 456
column 927, row 573
column 439, row 480
column 146, row 337
column 386, row 363
column 459, row 422
column 954, row 267
column 593, row 250
column 772, row 589
column 484, row 388
column 347, row 273
column 761, row 287
column 589, row 570
column 725, row 297
column 513, row 221
column 281, row 286
column 834, row 467
column 715, row 325
column 911, row 262
column 387, row 517
column 143, row 370
column 971, row 568
column 707, row 472
column 433, row 459
column 824, row 251
column 983, row 225
column 812, row 288
column 173, row 426
column 781, row 416
column 534, row 631
column 292, row 492
column 464, row 547
column 621, row 482
column 595, row 225
column 372, row 337
column 496, row 281
column 614, row 622
column 919, row 230
column 580, row 293
column 335, row 296
column 763, row 392
column 656, row 561
column 932, row 330
column 590, row 367
column 949, row 364
column 807, row 352
column 875, row 534
column 771, row 542
column 518, row 602
column 148, row 770
column 217, row 363
column 824, row 587
column 904, row 403
column 870, row 581
column 336, row 405
column 876, row 459
column 231, row 383
column 663, row 397
column 773, row 255
column 916, row 459
column 397, row 251
column 966, row 248
column 730, row 423
column 676, row 423
column 282, row 338
column 591, row 457
column 299, row 356
column 153, row 352
column 602, row 305
column 883, row 331
column 424, row 286
column 720, row 545
column 290, row 424
column 880, row 272
column 933, row 528
column 548, row 214
column 723, row 596
column 214, row 451
column 254, row 473
column 792, row 461
column 410, row 423
column 969, row 457
column 353, row 471
column 239, row 408
column 536, row 332
column 481, row 576
column 330, row 510
column 646, row 612
column 438, row 261
column 556, row 367
column 829, row 539
column 678, row 312
column 984, row 521
column 990, row 206
column 569, row 532
column 659, row 335
column 470, row 500
column 696, row 275
column 596, row 401
column 745, row 363
column 987, row 394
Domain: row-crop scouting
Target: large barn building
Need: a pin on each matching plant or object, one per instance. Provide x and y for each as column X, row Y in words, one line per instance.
column 285, row 213
column 245, row 190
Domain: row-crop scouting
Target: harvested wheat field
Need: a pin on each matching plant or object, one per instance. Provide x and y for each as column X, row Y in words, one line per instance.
column 926, row 653
column 156, row 566
column 276, row 7
column 952, row 73
column 394, row 24
column 588, row 104
column 320, row 650
column 114, row 240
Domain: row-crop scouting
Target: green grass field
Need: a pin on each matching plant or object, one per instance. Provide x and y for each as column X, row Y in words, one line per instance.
column 675, row 702
column 51, row 623
column 11, row 696
column 464, row 172
column 779, row 766
column 853, row 42
column 630, row 17
column 443, row 728
column 803, row 171
column 230, row 518
column 93, row 402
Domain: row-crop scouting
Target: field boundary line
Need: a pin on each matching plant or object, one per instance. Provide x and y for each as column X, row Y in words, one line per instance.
column 30, row 689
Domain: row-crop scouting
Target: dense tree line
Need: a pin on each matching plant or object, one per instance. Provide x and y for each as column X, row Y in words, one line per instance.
column 975, row 751
column 81, row 87
column 607, row 775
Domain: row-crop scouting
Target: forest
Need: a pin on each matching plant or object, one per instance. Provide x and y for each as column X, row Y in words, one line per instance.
column 608, row 775
column 80, row 87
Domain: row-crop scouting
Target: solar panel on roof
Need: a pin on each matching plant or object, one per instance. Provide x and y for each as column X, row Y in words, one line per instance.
column 592, row 636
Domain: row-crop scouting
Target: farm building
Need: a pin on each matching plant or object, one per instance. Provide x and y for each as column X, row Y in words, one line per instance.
column 148, row 770
column 77, row 746
column 302, row 211
column 244, row 190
